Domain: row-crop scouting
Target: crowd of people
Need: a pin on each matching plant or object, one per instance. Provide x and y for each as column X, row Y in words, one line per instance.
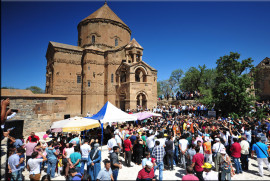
column 207, row 148
column 186, row 95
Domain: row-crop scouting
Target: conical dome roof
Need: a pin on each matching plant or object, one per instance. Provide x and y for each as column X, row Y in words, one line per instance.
column 104, row 12
column 134, row 44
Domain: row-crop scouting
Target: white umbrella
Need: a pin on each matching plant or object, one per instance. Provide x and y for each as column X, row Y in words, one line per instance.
column 75, row 124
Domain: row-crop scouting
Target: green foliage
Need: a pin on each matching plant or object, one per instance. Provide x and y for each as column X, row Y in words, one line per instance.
column 231, row 92
column 260, row 113
column 35, row 90
column 198, row 78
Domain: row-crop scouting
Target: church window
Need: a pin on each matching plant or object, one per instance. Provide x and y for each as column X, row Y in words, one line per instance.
column 89, row 83
column 93, row 39
column 116, row 41
column 88, row 67
column 112, row 78
column 79, row 79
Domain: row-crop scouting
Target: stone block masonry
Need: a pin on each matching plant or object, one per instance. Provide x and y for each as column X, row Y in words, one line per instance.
column 37, row 110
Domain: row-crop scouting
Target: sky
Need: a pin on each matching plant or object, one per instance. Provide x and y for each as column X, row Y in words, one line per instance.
column 173, row 34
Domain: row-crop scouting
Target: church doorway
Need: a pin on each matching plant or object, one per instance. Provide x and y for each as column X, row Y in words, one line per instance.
column 141, row 101
column 123, row 102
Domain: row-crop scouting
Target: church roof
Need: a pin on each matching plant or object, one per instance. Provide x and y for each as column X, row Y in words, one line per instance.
column 265, row 62
column 134, row 44
column 104, row 12
column 66, row 46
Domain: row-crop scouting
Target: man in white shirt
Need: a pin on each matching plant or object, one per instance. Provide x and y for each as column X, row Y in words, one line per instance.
column 183, row 146
column 85, row 149
column 150, row 141
column 217, row 147
column 111, row 143
column 33, row 165
column 118, row 140
column 244, row 152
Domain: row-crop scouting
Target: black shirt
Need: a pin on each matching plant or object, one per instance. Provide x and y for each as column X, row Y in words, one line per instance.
column 169, row 145
column 114, row 159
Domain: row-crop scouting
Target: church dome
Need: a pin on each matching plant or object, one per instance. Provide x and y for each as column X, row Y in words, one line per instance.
column 104, row 12
column 104, row 29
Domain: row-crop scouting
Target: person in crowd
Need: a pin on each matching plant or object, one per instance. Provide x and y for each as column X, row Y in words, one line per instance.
column 217, row 147
column 75, row 159
column 30, row 148
column 52, row 159
column 183, row 146
column 244, row 152
column 236, row 155
column 207, row 150
column 190, row 153
column 60, row 164
column 115, row 163
column 189, row 176
column 147, row 158
column 14, row 162
column 106, row 172
column 225, row 165
column 128, row 148
column 197, row 163
column 138, row 150
column 169, row 152
column 146, row 173
column 158, row 153
column 75, row 175
column 94, row 160
column 68, row 151
column 262, row 153
column 209, row 174
column 32, row 136
column 150, row 141
column 111, row 143
column 85, row 149
column 33, row 166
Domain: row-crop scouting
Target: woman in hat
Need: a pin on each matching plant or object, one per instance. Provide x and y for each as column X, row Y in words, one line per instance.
column 225, row 166
column 94, row 160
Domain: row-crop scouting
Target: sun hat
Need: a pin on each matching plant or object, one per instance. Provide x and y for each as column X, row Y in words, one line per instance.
column 207, row 165
column 217, row 139
column 127, row 135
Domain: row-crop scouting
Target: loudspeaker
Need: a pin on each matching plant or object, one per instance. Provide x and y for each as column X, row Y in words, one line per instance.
column 66, row 116
column 18, row 127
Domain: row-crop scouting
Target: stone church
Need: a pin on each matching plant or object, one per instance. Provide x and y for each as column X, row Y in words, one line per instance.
column 105, row 66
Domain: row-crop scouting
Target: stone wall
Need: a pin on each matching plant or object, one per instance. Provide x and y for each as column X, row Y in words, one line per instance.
column 37, row 110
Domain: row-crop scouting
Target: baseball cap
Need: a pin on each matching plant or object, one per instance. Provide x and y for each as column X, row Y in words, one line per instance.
column 149, row 164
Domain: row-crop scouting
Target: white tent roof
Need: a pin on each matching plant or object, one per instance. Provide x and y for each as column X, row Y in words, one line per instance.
column 110, row 113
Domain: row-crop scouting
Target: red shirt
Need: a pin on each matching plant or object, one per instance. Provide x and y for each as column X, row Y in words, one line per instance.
column 190, row 177
column 198, row 159
column 127, row 144
column 236, row 150
column 144, row 175
column 29, row 138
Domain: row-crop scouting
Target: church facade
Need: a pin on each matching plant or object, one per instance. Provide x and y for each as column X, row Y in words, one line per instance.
column 105, row 66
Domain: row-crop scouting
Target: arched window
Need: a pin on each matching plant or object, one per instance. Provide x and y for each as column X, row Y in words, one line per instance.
column 93, row 39
column 89, row 83
column 116, row 41
column 112, row 78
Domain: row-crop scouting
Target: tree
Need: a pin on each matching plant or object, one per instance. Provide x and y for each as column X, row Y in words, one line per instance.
column 198, row 78
column 165, row 87
column 175, row 79
column 35, row 90
column 231, row 92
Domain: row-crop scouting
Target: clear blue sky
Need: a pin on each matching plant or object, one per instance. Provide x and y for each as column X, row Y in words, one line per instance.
column 173, row 34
